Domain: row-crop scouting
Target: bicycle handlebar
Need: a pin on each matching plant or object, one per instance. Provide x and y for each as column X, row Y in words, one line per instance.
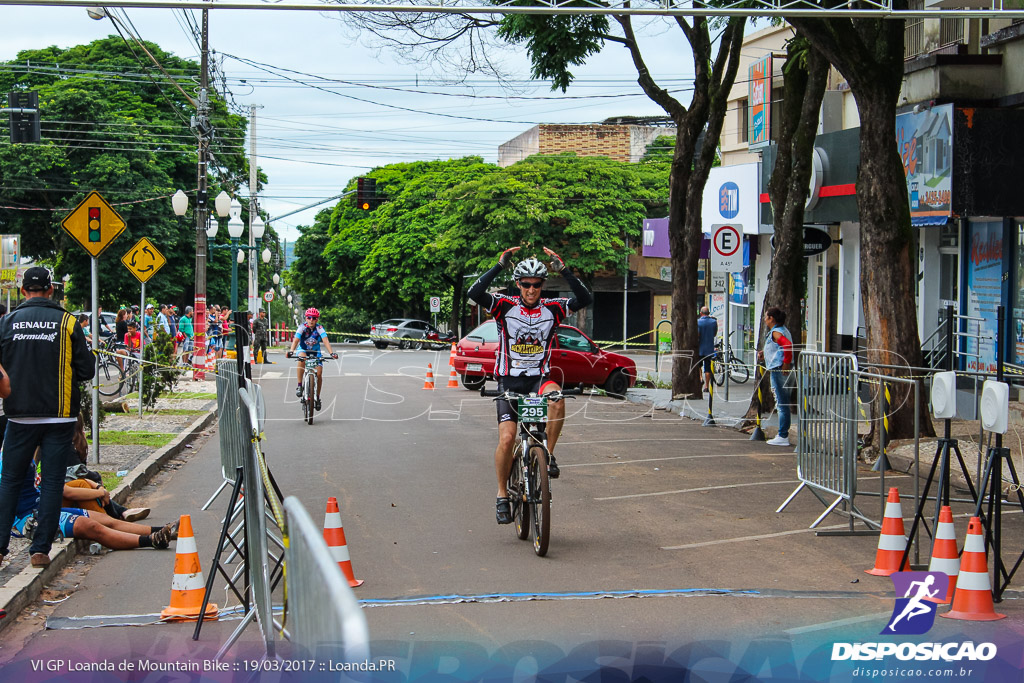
column 319, row 356
column 511, row 394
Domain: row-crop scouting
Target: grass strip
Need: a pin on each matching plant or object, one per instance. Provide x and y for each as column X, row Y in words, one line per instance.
column 208, row 395
column 113, row 437
column 110, row 480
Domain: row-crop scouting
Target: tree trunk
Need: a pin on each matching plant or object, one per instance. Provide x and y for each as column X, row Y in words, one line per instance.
column 869, row 54
column 788, row 188
column 684, row 242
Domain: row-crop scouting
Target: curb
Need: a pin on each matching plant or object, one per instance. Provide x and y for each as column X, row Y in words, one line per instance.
column 24, row 588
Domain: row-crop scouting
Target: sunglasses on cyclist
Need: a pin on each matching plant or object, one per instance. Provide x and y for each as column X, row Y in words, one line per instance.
column 312, row 317
column 531, row 285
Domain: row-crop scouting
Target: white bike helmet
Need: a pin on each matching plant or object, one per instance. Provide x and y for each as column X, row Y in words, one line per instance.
column 531, row 267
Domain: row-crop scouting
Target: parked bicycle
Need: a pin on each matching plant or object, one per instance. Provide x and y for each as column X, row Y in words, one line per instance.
column 529, row 490
column 111, row 370
column 729, row 362
column 309, row 382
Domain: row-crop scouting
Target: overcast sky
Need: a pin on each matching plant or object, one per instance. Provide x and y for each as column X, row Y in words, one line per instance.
column 312, row 140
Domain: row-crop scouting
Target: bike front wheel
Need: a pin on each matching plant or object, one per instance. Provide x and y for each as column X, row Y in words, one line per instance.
column 111, row 378
column 738, row 372
column 540, row 500
column 310, row 392
column 718, row 372
column 517, row 498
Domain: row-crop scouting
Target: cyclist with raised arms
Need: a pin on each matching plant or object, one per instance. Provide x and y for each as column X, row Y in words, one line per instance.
column 526, row 325
column 308, row 338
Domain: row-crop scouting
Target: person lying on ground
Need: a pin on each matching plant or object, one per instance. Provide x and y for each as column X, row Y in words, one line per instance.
column 90, row 526
column 83, row 488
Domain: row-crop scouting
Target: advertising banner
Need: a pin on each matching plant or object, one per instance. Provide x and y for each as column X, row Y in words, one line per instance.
column 10, row 256
column 925, row 142
column 984, row 287
column 760, row 99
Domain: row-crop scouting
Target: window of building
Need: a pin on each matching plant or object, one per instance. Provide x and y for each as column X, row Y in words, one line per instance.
column 744, row 120
column 949, row 262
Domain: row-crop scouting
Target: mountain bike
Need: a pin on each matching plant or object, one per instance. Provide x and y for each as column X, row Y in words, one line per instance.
column 309, row 382
column 111, row 368
column 729, row 362
column 529, row 490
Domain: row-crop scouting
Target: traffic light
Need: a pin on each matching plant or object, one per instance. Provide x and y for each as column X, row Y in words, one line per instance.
column 24, row 116
column 631, row 279
column 94, row 224
column 366, row 194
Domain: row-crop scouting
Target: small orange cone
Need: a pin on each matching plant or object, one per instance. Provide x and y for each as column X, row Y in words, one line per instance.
column 429, row 383
column 451, row 357
column 892, row 541
column 453, row 380
column 187, row 585
column 334, row 535
column 945, row 557
column 972, row 600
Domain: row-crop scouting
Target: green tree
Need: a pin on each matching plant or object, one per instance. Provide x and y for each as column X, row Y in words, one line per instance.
column 112, row 126
column 869, row 54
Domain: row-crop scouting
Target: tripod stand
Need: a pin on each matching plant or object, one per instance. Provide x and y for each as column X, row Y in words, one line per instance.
column 992, row 520
column 940, row 462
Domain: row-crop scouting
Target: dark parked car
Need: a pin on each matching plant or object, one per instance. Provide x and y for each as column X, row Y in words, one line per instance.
column 405, row 333
column 575, row 360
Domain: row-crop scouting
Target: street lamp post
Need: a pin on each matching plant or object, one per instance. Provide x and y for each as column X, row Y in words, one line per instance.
column 179, row 202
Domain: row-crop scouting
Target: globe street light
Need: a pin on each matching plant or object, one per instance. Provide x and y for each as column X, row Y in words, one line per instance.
column 277, row 278
column 235, row 229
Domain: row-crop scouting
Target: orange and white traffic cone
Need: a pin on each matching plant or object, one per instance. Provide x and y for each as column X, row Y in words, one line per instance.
column 453, row 380
column 892, row 540
column 945, row 557
column 451, row 357
column 187, row 585
column 429, row 383
column 334, row 535
column 972, row 600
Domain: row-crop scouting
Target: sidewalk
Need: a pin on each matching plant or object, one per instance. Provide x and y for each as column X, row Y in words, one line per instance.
column 184, row 415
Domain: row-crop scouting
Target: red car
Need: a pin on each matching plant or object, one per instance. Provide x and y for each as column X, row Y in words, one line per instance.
column 575, row 359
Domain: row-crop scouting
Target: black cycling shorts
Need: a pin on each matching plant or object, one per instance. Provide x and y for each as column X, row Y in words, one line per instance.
column 525, row 384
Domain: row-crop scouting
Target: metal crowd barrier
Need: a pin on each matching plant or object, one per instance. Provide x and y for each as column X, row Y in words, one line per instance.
column 826, row 421
column 232, row 441
column 324, row 617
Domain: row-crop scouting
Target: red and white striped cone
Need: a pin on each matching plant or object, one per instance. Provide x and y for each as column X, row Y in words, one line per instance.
column 945, row 557
column 451, row 357
column 334, row 535
column 972, row 600
column 892, row 540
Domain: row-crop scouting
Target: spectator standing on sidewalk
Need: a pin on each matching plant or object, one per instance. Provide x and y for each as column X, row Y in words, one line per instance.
column 707, row 330
column 185, row 327
column 46, row 349
column 3, row 416
column 778, row 358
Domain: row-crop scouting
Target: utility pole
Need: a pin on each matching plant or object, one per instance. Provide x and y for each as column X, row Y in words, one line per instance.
column 202, row 126
column 254, row 302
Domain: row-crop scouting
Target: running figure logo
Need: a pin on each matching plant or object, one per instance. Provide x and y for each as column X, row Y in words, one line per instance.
column 913, row 613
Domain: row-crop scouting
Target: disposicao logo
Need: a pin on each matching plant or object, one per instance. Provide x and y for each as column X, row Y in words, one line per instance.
column 729, row 200
column 914, row 614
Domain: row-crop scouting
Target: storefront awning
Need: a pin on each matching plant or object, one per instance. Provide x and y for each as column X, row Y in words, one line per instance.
column 921, row 221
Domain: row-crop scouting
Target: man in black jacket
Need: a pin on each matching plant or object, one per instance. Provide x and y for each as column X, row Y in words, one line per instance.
column 48, row 355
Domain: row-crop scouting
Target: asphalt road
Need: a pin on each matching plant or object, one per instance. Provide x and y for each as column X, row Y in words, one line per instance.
column 676, row 519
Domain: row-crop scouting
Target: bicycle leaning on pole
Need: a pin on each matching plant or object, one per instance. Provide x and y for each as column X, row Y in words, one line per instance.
column 529, row 490
column 309, row 381
column 728, row 363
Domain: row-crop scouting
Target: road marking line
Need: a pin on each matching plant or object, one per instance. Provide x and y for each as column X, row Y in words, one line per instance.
column 272, row 374
column 758, row 537
column 702, row 488
column 674, row 457
column 836, row 624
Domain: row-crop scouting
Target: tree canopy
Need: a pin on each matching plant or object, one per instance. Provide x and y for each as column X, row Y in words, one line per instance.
column 112, row 123
column 446, row 221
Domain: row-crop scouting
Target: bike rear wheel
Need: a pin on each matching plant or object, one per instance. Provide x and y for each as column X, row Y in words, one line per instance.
column 718, row 371
column 540, row 500
column 517, row 496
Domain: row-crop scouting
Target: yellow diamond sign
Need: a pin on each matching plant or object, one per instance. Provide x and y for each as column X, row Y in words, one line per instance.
column 94, row 224
column 143, row 260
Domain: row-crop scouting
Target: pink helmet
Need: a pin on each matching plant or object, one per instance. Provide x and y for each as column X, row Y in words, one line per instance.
column 312, row 313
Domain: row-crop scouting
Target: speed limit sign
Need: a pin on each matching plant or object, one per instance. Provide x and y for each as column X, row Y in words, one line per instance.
column 435, row 304
column 268, row 296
